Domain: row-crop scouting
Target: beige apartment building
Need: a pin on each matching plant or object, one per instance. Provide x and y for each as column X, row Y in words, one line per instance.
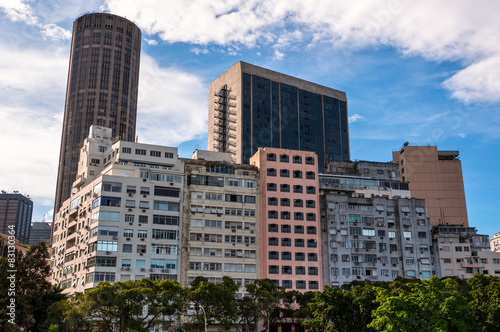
column 463, row 252
column 123, row 219
column 435, row 176
column 221, row 220
column 495, row 242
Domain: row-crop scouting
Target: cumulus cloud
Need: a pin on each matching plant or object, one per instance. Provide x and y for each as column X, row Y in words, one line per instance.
column 173, row 98
column 151, row 41
column 355, row 117
column 465, row 32
column 22, row 11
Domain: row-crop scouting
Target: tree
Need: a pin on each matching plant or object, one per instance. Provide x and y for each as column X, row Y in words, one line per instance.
column 267, row 295
column 32, row 288
column 217, row 301
column 485, row 301
column 429, row 305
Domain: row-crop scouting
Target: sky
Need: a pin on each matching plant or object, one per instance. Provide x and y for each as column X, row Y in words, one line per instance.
column 426, row 72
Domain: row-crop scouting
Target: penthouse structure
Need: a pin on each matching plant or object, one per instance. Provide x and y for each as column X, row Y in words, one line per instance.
column 435, row 176
column 221, row 220
column 252, row 107
column 290, row 250
column 123, row 219
column 372, row 228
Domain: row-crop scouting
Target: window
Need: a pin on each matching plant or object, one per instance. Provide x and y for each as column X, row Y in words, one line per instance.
column 234, row 198
column 165, row 206
column 285, row 188
column 299, row 242
column 458, row 248
column 115, row 187
column 285, row 202
column 422, row 235
column 354, row 218
column 298, row 216
column 297, row 159
column 274, row 255
column 272, row 201
column 140, row 152
column 271, row 187
column 286, row 242
column 126, row 262
column 381, row 232
column 286, row 256
column 284, row 158
column 310, row 175
column 299, row 229
column 167, row 192
column 297, row 189
column 368, row 232
column 311, row 190
column 273, row 241
column 313, row 271
column 391, row 234
column 126, row 150
column 271, row 157
column 164, row 220
column 250, row 199
column 274, row 269
column 309, row 160
column 310, row 204
column 212, row 266
column 286, row 229
column 311, row 243
column 300, row 284
column 297, row 202
column 311, row 229
column 272, row 214
column 311, row 217
column 155, row 153
column 300, row 256
column 284, row 173
column 407, row 235
column 285, row 215
column 297, row 174
column 312, row 257
column 285, row 269
column 313, row 285
column 271, row 172
column 144, row 205
column 127, row 248
column 169, row 155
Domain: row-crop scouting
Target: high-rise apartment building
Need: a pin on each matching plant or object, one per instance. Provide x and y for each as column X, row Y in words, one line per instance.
column 252, row 107
column 15, row 213
column 123, row 220
column 101, row 90
column 435, row 176
column 290, row 235
column 221, row 220
column 372, row 228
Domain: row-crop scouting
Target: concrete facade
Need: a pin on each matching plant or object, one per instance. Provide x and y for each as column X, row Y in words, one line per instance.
column 435, row 176
column 101, row 90
column 16, row 211
column 123, row 220
column 252, row 107
column 495, row 242
column 372, row 228
column 463, row 252
column 289, row 223
column 221, row 220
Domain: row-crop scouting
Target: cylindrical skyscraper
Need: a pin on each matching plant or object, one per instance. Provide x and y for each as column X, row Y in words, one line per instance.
column 102, row 88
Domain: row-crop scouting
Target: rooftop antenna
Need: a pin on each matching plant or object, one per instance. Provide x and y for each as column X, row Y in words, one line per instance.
column 137, row 138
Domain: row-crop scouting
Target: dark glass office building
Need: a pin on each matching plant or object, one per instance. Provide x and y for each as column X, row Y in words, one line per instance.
column 102, row 88
column 15, row 214
column 252, row 107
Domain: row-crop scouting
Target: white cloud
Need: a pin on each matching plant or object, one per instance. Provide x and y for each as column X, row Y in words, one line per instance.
column 278, row 55
column 151, row 41
column 31, row 103
column 465, row 31
column 355, row 117
column 197, row 50
column 172, row 104
column 22, row 11
column 462, row 135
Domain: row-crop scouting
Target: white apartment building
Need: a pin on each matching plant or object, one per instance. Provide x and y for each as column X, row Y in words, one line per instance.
column 123, row 219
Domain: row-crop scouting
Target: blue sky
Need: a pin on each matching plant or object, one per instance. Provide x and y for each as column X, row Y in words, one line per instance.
column 426, row 72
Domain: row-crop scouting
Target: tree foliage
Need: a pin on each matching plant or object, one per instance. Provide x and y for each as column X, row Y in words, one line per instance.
column 33, row 291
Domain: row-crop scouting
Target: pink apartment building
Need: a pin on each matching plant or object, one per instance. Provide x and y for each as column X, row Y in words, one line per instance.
column 290, row 219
